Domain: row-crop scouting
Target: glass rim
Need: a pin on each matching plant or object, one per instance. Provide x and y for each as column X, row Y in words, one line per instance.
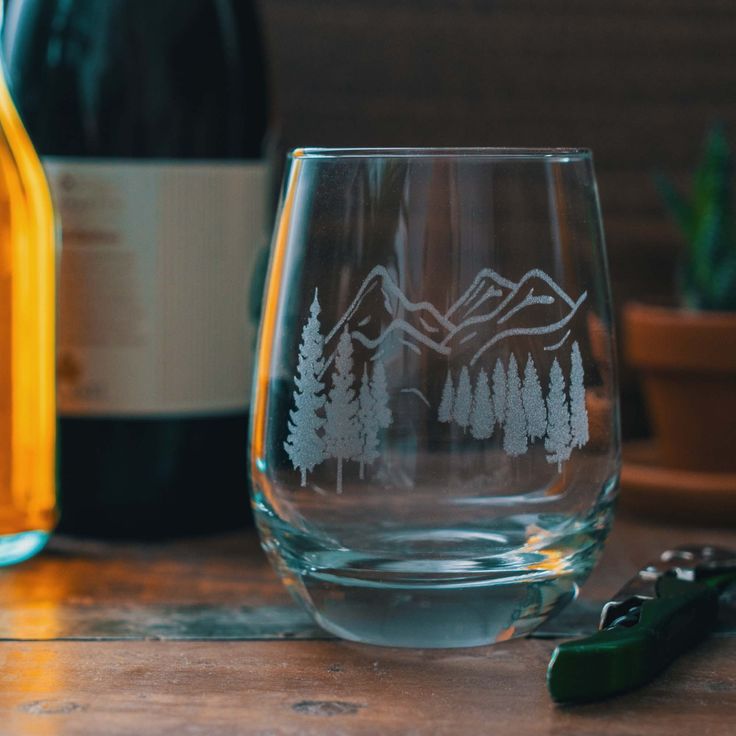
column 492, row 153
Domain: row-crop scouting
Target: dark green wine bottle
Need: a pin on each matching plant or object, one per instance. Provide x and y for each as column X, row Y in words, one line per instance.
column 150, row 117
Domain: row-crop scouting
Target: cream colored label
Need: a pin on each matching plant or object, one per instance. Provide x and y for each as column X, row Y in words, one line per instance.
column 156, row 270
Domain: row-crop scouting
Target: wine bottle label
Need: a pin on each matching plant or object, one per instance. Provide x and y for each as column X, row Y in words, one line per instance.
column 156, row 277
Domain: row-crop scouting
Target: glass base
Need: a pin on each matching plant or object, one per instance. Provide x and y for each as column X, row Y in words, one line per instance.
column 438, row 587
column 434, row 617
column 18, row 547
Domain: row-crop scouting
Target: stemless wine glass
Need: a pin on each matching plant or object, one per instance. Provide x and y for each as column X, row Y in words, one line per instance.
column 435, row 434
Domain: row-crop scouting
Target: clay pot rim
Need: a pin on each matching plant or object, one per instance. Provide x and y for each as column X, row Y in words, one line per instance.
column 677, row 316
column 679, row 340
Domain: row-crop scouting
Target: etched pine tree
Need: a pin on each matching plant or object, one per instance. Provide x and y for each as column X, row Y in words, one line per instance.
column 578, row 412
column 499, row 392
column 444, row 413
column 379, row 390
column 514, row 426
column 534, row 407
column 558, row 440
column 368, row 423
column 481, row 414
column 463, row 400
column 304, row 444
column 342, row 429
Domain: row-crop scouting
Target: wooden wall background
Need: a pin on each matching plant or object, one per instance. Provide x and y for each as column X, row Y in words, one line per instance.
column 638, row 81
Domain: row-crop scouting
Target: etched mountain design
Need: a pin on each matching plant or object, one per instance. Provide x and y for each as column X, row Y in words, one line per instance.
column 380, row 309
column 482, row 296
column 339, row 413
column 491, row 309
column 535, row 305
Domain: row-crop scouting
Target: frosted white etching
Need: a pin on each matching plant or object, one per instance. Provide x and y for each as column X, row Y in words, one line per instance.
column 535, row 409
column 342, row 425
column 489, row 311
column 527, row 301
column 499, row 391
column 558, row 439
column 524, row 291
column 379, row 389
column 412, row 347
column 444, row 413
column 514, row 427
column 368, row 424
column 463, row 400
column 347, row 422
column 380, row 290
column 558, row 344
column 481, row 415
column 578, row 411
column 485, row 285
column 304, row 444
column 525, row 414
column 418, row 394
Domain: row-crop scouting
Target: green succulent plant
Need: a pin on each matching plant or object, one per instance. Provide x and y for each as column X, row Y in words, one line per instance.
column 707, row 277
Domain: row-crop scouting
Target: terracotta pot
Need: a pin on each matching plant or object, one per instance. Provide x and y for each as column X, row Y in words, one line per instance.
column 687, row 364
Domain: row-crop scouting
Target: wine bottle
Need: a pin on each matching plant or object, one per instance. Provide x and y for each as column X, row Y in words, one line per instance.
column 150, row 117
column 27, row 274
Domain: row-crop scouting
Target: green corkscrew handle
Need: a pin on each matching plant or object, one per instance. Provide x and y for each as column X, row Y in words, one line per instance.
column 628, row 654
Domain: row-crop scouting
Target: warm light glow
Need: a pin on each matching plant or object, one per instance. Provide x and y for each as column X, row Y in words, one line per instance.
column 27, row 277
column 552, row 559
column 268, row 327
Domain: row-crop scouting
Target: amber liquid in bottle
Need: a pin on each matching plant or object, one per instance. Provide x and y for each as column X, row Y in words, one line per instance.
column 27, row 410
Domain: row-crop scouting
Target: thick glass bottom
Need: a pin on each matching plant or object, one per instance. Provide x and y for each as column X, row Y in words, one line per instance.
column 458, row 615
column 18, row 547
column 439, row 587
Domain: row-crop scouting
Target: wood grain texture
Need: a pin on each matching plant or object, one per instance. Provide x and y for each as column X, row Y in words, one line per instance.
column 196, row 588
column 638, row 81
column 339, row 688
column 222, row 587
column 311, row 687
column 231, row 571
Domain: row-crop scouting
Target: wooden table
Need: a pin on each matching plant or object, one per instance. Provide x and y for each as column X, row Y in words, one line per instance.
column 118, row 639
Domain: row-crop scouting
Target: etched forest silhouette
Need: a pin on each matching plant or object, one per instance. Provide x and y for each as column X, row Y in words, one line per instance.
column 344, row 422
column 517, row 407
column 339, row 424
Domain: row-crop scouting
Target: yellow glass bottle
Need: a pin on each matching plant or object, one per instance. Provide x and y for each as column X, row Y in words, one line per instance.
column 27, row 403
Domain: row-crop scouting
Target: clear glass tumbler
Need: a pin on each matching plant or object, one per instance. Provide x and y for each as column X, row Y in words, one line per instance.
column 435, row 434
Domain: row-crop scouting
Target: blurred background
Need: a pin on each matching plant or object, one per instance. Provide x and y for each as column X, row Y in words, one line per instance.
column 637, row 81
column 124, row 98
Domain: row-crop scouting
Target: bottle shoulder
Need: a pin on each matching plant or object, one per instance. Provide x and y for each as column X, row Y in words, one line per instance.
column 20, row 164
column 130, row 79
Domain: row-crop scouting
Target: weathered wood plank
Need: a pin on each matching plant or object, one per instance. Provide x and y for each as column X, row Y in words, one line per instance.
column 223, row 588
column 338, row 688
column 320, row 687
